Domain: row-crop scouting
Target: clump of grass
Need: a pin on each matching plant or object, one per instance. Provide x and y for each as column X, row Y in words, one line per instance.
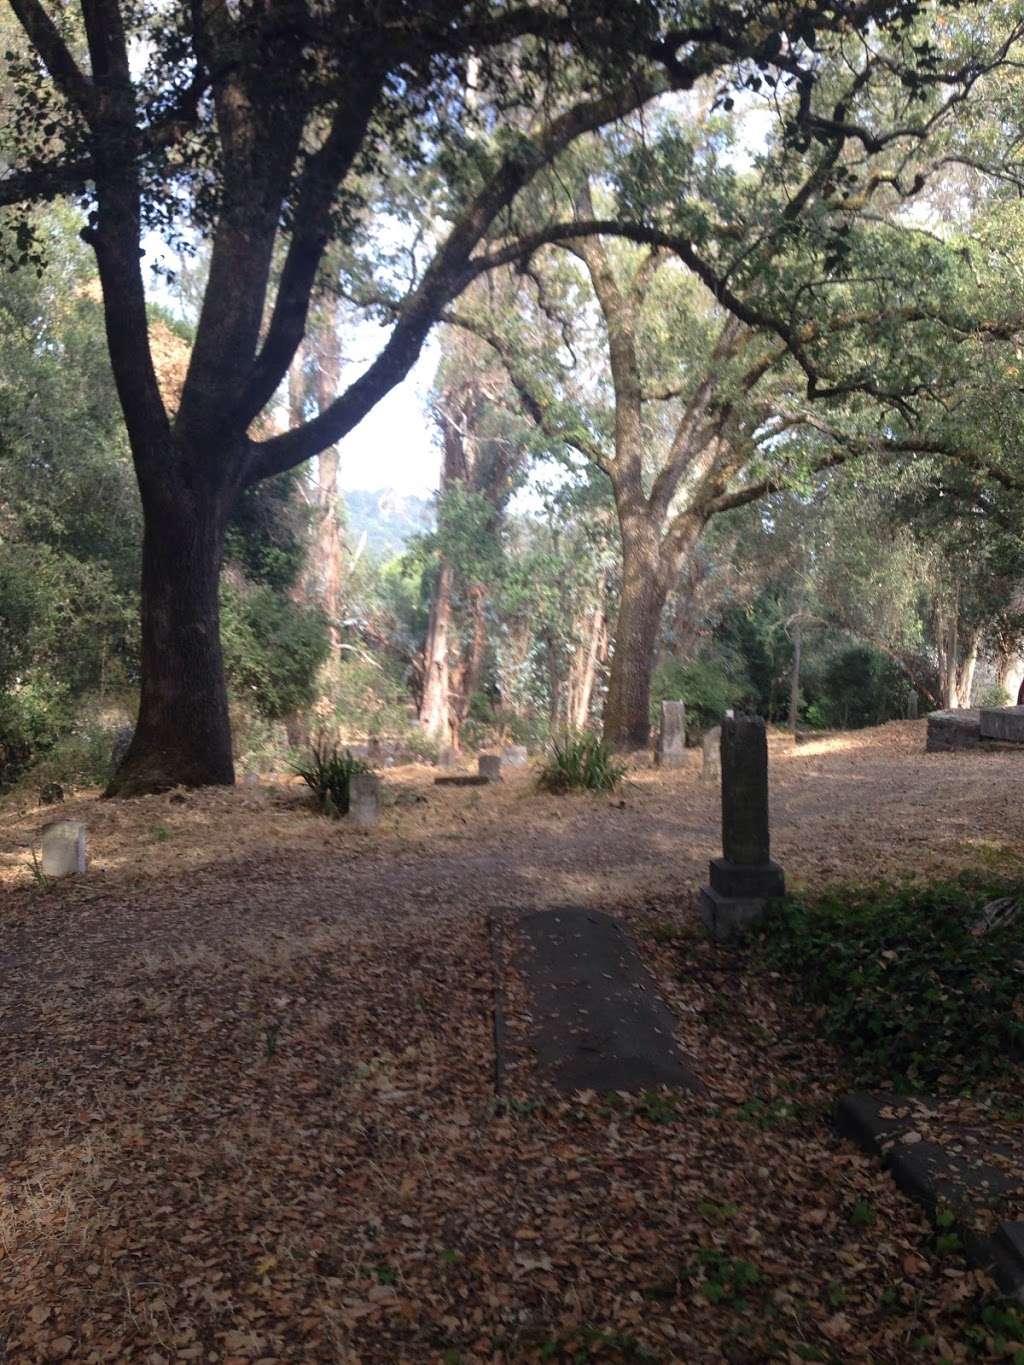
column 328, row 772
column 581, row 763
column 909, row 982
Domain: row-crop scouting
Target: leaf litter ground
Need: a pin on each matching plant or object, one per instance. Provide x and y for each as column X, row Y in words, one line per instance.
column 249, row 1106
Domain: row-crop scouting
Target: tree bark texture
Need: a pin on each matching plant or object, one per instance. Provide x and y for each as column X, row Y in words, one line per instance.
column 183, row 732
column 434, row 714
column 627, row 708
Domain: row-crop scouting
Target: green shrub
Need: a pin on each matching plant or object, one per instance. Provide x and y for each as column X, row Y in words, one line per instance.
column 420, row 744
column 328, row 773
column 904, row 987
column 706, row 685
column 581, row 763
column 80, row 759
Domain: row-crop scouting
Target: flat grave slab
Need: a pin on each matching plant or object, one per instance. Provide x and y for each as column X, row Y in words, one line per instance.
column 1004, row 723
column 599, row 1022
column 462, row 780
column 951, row 1165
column 952, row 731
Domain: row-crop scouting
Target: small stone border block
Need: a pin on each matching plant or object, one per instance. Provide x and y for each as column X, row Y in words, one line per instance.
column 923, row 1172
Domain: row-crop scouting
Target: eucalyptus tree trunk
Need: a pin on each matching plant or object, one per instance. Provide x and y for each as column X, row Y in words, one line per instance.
column 957, row 650
column 1010, row 674
column 435, row 703
column 329, row 542
column 587, row 655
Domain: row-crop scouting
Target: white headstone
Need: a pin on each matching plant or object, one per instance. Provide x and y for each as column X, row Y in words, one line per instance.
column 515, row 755
column 63, row 848
column 364, row 800
column 672, row 736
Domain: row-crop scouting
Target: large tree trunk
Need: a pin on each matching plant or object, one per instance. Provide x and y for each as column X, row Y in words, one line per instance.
column 1010, row 674
column 183, row 734
column 465, row 679
column 627, row 710
column 957, row 653
column 434, row 714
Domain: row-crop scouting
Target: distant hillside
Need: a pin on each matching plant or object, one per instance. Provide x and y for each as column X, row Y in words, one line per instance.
column 388, row 518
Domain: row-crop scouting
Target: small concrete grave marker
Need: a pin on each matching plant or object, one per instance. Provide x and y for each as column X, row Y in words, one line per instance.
column 943, row 1163
column 745, row 878
column 711, row 770
column 63, row 848
column 671, row 751
column 447, row 757
column 364, row 800
column 515, row 755
column 489, row 767
column 599, row 1022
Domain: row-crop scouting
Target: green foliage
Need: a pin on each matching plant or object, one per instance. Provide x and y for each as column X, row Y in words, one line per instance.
column 708, row 686
column 904, row 987
column 273, row 648
column 267, row 537
column 79, row 757
column 580, row 763
column 328, row 772
column 859, row 686
column 371, row 696
column 722, row 1278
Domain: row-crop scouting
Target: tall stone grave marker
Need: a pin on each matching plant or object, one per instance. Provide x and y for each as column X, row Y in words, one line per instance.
column 672, row 736
column 745, row 877
column 489, row 767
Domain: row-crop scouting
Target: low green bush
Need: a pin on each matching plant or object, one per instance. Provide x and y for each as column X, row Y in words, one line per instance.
column 328, row 772
column 904, row 987
column 580, row 763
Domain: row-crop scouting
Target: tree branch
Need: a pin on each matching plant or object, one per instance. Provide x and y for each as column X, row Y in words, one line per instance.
column 77, row 88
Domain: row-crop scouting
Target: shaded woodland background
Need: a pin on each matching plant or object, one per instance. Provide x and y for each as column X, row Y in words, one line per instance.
column 334, row 605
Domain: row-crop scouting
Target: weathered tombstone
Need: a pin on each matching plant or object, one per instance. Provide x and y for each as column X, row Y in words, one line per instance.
column 1002, row 722
column 489, row 767
column 63, row 848
column 447, row 757
column 912, row 706
column 374, row 749
column 951, row 731
column 122, row 742
column 745, row 878
column 672, row 735
column 515, row 755
column 711, row 746
column 251, row 780
column 363, row 800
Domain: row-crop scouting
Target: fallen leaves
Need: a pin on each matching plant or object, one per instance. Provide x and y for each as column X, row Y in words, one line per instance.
column 170, row 1192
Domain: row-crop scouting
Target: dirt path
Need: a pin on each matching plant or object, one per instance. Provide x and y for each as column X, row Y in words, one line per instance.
column 248, row 1105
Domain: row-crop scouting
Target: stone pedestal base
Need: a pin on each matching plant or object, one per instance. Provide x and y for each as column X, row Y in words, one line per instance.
column 738, row 895
column 743, row 881
column 726, row 916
